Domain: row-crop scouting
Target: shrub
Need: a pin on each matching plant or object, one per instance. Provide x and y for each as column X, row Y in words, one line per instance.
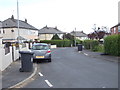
column 91, row 44
column 86, row 44
column 100, row 48
column 78, row 41
column 112, row 45
column 55, row 37
column 94, row 45
column 59, row 43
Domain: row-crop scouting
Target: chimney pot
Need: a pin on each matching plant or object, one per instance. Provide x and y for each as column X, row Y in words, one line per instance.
column 25, row 20
column 12, row 17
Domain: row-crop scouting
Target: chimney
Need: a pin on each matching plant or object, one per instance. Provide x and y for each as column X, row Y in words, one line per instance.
column 25, row 20
column 12, row 17
column 56, row 27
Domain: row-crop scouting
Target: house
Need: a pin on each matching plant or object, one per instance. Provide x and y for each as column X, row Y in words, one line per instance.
column 115, row 29
column 11, row 32
column 79, row 35
column 1, row 32
column 46, row 33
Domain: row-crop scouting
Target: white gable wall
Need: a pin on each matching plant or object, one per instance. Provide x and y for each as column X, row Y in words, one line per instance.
column 45, row 36
column 25, row 33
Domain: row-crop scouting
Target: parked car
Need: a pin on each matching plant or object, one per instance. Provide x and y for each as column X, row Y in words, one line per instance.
column 41, row 52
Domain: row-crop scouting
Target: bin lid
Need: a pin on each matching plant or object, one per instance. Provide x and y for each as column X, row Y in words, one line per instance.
column 26, row 52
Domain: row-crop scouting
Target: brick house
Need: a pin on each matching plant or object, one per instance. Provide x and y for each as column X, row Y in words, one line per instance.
column 115, row 29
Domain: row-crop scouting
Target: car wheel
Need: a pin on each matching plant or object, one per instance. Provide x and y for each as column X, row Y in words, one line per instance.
column 34, row 60
column 49, row 60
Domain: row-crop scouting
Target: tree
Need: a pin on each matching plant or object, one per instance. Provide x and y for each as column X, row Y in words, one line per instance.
column 68, row 36
column 98, row 33
column 56, row 37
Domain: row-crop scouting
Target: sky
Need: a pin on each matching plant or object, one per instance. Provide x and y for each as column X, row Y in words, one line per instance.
column 65, row 14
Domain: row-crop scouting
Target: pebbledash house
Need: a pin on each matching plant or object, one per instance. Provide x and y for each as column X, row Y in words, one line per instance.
column 46, row 33
column 11, row 33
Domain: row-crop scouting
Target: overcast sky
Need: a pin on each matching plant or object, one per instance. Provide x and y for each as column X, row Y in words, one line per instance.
column 65, row 14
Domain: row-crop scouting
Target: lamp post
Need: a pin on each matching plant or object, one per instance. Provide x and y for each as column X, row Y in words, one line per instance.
column 75, row 37
column 18, row 24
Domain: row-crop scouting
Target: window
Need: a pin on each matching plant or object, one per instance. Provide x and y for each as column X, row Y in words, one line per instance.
column 40, row 47
column 118, row 28
column 3, row 31
column 12, row 30
column 114, row 29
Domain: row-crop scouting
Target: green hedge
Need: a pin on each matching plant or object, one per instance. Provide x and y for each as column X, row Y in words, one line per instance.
column 112, row 45
column 91, row 44
column 100, row 48
column 59, row 43
column 78, row 41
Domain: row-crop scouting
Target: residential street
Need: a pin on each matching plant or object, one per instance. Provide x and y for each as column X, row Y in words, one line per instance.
column 70, row 69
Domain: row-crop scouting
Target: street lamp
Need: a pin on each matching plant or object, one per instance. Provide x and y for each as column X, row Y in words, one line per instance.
column 18, row 24
column 75, row 37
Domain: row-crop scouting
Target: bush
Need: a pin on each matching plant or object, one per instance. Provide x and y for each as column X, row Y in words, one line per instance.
column 59, row 43
column 78, row 41
column 112, row 45
column 94, row 45
column 86, row 44
column 100, row 48
column 55, row 37
column 91, row 44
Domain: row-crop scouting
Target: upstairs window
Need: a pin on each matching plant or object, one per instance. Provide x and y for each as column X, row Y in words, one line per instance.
column 12, row 30
column 3, row 31
column 118, row 28
column 114, row 29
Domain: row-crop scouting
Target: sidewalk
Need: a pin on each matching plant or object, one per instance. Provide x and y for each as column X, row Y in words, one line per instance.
column 98, row 55
column 12, row 76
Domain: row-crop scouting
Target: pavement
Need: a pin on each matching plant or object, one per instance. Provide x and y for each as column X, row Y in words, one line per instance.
column 98, row 55
column 13, row 78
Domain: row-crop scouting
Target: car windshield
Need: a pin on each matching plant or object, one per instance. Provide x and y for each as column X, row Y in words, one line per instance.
column 40, row 47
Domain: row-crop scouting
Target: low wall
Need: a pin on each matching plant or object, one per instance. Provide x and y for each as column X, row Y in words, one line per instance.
column 6, row 60
column 53, row 46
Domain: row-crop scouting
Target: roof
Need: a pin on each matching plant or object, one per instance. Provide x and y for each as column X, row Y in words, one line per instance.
column 78, row 34
column 116, row 25
column 50, row 30
column 13, row 23
column 20, row 38
column 0, row 24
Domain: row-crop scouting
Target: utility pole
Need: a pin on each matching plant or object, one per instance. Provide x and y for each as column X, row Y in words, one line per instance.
column 75, row 37
column 18, row 24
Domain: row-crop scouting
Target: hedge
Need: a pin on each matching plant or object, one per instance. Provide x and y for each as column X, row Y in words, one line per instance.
column 59, row 43
column 91, row 44
column 112, row 45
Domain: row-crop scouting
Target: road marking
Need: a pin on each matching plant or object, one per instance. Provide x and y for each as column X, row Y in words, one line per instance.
column 104, row 87
column 40, row 74
column 49, row 84
column 86, row 54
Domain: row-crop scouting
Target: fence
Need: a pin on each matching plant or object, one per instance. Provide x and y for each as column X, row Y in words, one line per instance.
column 9, row 55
